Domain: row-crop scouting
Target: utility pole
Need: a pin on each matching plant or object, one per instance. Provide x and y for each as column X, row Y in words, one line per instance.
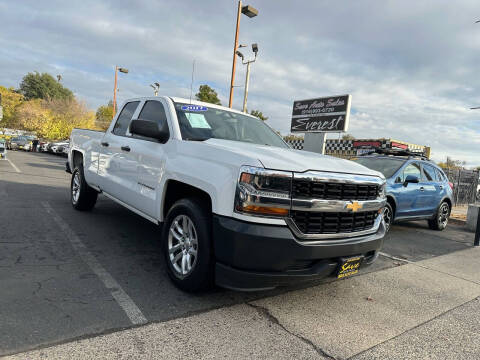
column 247, row 76
column 250, row 12
column 122, row 70
column 247, row 81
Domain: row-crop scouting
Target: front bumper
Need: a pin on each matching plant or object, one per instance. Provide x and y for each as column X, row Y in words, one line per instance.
column 257, row 257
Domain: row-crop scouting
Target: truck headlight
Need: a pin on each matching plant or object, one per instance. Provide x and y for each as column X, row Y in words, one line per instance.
column 263, row 192
column 383, row 190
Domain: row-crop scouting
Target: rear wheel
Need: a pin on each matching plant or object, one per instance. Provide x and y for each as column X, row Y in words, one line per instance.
column 440, row 221
column 83, row 197
column 187, row 245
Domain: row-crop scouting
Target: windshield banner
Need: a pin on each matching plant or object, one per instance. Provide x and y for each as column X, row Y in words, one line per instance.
column 327, row 114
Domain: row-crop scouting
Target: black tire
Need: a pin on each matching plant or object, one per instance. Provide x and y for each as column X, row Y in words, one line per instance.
column 440, row 220
column 201, row 274
column 87, row 197
column 388, row 217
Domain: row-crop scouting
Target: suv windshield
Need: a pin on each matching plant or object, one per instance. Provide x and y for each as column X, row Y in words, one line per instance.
column 202, row 123
column 387, row 166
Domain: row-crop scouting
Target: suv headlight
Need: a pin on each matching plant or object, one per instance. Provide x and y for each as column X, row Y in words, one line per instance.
column 263, row 192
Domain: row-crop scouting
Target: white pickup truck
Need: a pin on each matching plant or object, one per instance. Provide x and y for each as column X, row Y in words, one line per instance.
column 237, row 206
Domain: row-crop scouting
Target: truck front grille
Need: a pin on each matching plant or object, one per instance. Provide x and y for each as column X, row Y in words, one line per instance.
column 305, row 189
column 309, row 222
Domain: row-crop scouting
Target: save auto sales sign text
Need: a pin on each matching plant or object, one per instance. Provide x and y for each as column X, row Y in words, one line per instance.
column 327, row 114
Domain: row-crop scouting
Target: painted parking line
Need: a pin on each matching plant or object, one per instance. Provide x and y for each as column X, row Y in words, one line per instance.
column 13, row 165
column 126, row 303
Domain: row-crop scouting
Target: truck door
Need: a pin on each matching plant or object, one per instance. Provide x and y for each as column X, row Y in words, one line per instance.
column 151, row 157
column 117, row 168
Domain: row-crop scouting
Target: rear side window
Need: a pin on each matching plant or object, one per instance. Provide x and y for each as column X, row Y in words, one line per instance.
column 429, row 172
column 440, row 176
column 124, row 118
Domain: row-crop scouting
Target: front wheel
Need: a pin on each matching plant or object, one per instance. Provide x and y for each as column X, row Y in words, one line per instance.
column 83, row 197
column 388, row 216
column 187, row 245
column 440, row 221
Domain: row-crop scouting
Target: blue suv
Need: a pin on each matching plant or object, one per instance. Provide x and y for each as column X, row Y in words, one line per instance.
column 416, row 189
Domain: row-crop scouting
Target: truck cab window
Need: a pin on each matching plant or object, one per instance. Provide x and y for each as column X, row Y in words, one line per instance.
column 124, row 118
column 153, row 111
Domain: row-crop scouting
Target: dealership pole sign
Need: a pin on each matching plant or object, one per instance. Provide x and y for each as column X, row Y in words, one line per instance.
column 327, row 114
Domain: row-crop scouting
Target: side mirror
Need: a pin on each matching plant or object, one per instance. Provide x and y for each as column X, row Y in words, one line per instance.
column 411, row 179
column 150, row 129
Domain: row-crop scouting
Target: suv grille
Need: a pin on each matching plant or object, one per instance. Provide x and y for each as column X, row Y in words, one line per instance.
column 332, row 222
column 333, row 191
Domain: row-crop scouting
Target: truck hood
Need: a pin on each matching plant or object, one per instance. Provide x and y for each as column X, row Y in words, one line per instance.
column 289, row 159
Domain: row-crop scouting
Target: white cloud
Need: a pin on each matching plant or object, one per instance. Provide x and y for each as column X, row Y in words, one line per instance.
column 410, row 67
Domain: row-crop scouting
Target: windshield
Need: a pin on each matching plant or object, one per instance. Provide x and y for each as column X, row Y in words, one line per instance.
column 202, row 123
column 387, row 166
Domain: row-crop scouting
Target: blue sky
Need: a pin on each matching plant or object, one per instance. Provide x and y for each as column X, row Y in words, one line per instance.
column 411, row 67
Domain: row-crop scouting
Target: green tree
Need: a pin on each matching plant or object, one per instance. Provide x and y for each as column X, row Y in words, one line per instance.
column 259, row 115
column 43, row 86
column 207, row 94
column 104, row 115
column 10, row 101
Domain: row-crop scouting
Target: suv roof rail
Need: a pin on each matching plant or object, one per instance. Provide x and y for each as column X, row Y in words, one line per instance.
column 401, row 153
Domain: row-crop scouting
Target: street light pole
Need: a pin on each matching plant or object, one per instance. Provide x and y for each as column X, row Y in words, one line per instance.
column 122, row 70
column 250, row 12
column 115, row 93
column 247, row 81
column 235, row 48
column 247, row 76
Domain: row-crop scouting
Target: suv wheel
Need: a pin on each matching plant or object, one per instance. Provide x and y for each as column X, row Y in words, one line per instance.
column 388, row 216
column 440, row 221
column 83, row 197
column 187, row 245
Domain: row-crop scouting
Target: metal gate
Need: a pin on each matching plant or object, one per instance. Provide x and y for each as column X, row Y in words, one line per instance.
column 465, row 184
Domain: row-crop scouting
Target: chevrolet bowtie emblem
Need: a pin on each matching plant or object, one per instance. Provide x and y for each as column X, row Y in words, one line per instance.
column 354, row 206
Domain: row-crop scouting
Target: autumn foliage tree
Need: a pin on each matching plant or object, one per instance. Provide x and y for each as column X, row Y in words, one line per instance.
column 104, row 115
column 54, row 118
column 10, row 101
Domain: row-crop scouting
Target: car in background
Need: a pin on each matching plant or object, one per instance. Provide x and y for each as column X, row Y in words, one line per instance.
column 417, row 189
column 58, row 147
column 3, row 149
column 18, row 143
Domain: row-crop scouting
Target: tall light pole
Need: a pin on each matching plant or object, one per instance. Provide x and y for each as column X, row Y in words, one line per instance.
column 247, row 76
column 250, row 12
column 155, row 87
column 122, row 70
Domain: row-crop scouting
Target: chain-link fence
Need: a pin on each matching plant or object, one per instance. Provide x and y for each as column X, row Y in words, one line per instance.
column 465, row 184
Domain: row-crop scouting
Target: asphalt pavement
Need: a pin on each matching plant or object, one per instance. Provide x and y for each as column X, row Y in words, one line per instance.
column 66, row 274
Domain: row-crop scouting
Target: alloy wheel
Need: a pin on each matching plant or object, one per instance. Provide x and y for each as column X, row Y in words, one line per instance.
column 182, row 245
column 387, row 217
column 443, row 214
column 76, row 187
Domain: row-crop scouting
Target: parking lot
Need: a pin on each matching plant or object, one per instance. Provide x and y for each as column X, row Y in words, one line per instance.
column 66, row 274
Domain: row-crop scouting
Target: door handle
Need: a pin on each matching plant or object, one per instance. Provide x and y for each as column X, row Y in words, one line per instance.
column 125, row 148
column 104, row 144
column 422, row 188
